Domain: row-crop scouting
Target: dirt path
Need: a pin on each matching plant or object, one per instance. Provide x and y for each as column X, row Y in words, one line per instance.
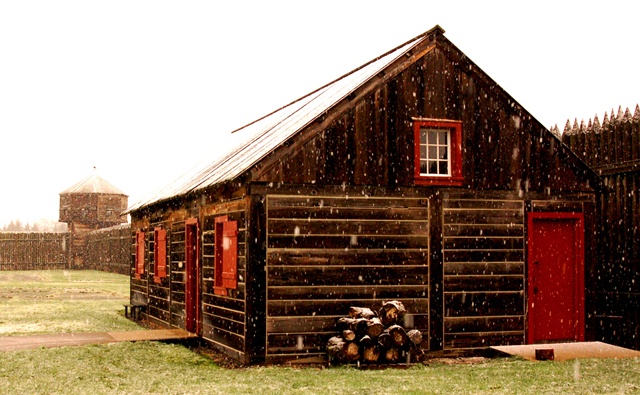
column 13, row 343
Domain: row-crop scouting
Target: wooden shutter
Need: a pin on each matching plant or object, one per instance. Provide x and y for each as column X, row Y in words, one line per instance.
column 139, row 253
column 230, row 254
column 160, row 253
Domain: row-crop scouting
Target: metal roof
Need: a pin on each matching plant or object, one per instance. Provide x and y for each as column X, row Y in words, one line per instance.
column 264, row 135
column 93, row 184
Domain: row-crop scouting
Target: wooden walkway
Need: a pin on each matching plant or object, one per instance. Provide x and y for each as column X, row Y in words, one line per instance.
column 565, row 351
column 12, row 343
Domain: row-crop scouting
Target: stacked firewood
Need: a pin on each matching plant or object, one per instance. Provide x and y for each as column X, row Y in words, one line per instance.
column 373, row 337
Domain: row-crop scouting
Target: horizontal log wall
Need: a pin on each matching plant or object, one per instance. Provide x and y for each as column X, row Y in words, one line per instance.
column 34, row 251
column 109, row 249
column 138, row 286
column 484, row 272
column 224, row 317
column 177, row 273
column 325, row 254
column 159, row 288
column 613, row 150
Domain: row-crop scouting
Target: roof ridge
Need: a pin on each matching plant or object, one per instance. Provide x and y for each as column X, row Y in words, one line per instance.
column 434, row 29
column 266, row 133
column 93, row 184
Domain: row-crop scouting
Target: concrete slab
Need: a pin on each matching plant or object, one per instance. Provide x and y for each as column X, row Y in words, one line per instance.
column 566, row 351
column 12, row 343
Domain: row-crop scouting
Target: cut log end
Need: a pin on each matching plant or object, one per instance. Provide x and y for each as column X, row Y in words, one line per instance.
column 392, row 355
column 415, row 336
column 361, row 312
column 392, row 312
column 374, row 327
column 371, row 354
column 348, row 335
column 398, row 335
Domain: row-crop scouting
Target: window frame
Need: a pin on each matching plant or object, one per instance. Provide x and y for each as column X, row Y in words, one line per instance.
column 455, row 177
column 140, row 250
column 159, row 254
column 226, row 260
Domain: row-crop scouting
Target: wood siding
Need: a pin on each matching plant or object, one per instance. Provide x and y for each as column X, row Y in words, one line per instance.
column 224, row 317
column 138, row 286
column 372, row 142
column 159, row 289
column 613, row 150
column 484, row 272
column 34, row 251
column 109, row 249
column 333, row 217
column 94, row 209
column 325, row 254
column 177, row 276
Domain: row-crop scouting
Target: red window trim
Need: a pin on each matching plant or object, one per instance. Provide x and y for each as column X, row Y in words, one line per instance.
column 139, row 269
column 226, row 259
column 455, row 127
column 159, row 254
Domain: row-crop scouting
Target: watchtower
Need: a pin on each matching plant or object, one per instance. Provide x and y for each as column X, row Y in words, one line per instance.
column 90, row 204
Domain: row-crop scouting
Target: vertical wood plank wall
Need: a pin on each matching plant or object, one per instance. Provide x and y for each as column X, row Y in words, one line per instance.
column 108, row 249
column 484, row 272
column 325, row 254
column 33, row 251
column 613, row 151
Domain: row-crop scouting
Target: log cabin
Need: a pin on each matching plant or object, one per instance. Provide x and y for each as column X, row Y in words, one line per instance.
column 414, row 177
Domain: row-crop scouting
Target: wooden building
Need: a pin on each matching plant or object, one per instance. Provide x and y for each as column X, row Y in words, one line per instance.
column 90, row 204
column 414, row 177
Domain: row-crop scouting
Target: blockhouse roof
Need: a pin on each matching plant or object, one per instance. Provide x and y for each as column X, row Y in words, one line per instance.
column 93, row 184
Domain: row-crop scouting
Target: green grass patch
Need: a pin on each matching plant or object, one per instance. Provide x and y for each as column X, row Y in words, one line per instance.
column 86, row 301
column 156, row 368
column 62, row 301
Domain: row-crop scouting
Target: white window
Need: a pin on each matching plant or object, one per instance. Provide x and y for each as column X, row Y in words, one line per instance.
column 435, row 152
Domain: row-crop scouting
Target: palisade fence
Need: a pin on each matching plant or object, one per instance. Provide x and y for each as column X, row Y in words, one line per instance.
column 107, row 249
column 34, row 251
column 612, row 149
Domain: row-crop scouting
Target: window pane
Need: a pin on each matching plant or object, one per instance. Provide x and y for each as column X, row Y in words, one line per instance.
column 444, row 167
column 423, row 152
column 433, row 137
column 443, row 137
column 423, row 136
column 433, row 152
column 433, row 167
column 443, row 152
column 423, row 166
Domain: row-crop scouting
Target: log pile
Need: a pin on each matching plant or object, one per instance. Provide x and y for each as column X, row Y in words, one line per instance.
column 373, row 337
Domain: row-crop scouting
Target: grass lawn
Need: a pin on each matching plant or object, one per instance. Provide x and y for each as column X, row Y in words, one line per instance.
column 157, row 368
column 62, row 301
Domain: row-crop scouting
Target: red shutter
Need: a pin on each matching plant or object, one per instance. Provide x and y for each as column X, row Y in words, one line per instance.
column 139, row 253
column 160, row 253
column 230, row 254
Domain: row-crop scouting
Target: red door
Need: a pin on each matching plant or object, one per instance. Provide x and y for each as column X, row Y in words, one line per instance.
column 555, row 291
column 192, row 283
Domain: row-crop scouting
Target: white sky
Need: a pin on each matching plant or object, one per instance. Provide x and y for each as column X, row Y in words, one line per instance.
column 141, row 89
